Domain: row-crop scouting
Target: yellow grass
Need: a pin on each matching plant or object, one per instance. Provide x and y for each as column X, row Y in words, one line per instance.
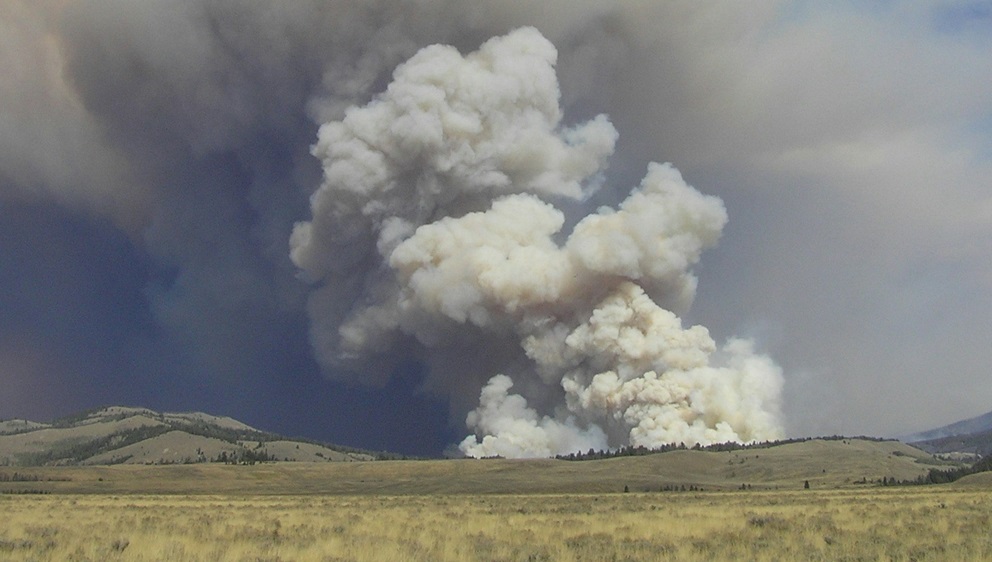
column 899, row 524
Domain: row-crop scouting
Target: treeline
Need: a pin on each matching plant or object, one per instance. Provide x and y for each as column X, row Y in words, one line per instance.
column 77, row 452
column 239, row 436
column 73, row 453
column 229, row 435
column 74, row 419
column 18, row 477
column 240, row 455
column 629, row 451
column 21, row 477
column 626, row 451
column 946, row 476
column 245, row 456
column 25, row 429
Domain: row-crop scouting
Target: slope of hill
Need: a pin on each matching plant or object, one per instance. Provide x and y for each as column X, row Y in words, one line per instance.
column 847, row 463
column 122, row 435
column 17, row 426
column 980, row 480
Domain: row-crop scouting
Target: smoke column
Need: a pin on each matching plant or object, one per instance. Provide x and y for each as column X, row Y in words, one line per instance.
column 438, row 234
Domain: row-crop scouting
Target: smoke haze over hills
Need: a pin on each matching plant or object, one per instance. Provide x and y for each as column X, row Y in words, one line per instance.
column 189, row 219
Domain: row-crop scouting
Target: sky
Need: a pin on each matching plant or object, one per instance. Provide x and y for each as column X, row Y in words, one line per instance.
column 157, row 161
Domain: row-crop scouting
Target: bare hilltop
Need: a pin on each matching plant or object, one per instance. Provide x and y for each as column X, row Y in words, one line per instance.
column 125, row 435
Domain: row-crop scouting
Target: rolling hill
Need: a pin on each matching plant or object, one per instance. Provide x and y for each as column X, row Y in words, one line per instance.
column 825, row 464
column 122, row 449
column 123, row 435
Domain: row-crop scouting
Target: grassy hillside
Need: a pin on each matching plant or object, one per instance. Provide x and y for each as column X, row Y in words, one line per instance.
column 825, row 464
column 980, row 480
column 122, row 435
column 8, row 427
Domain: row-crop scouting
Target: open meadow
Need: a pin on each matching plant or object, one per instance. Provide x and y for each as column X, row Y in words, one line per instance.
column 824, row 463
column 900, row 523
column 681, row 505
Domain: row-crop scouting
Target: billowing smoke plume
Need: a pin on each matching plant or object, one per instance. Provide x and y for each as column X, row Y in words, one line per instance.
column 438, row 230
column 155, row 157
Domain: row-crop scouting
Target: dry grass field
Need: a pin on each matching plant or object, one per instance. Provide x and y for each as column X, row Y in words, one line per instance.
column 897, row 524
column 504, row 510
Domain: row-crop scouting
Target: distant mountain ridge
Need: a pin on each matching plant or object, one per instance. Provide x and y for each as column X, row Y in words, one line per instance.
column 970, row 436
column 977, row 424
column 129, row 435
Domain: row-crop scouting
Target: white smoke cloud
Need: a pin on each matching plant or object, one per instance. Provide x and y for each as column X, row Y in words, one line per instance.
column 444, row 189
column 450, row 133
column 511, row 429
